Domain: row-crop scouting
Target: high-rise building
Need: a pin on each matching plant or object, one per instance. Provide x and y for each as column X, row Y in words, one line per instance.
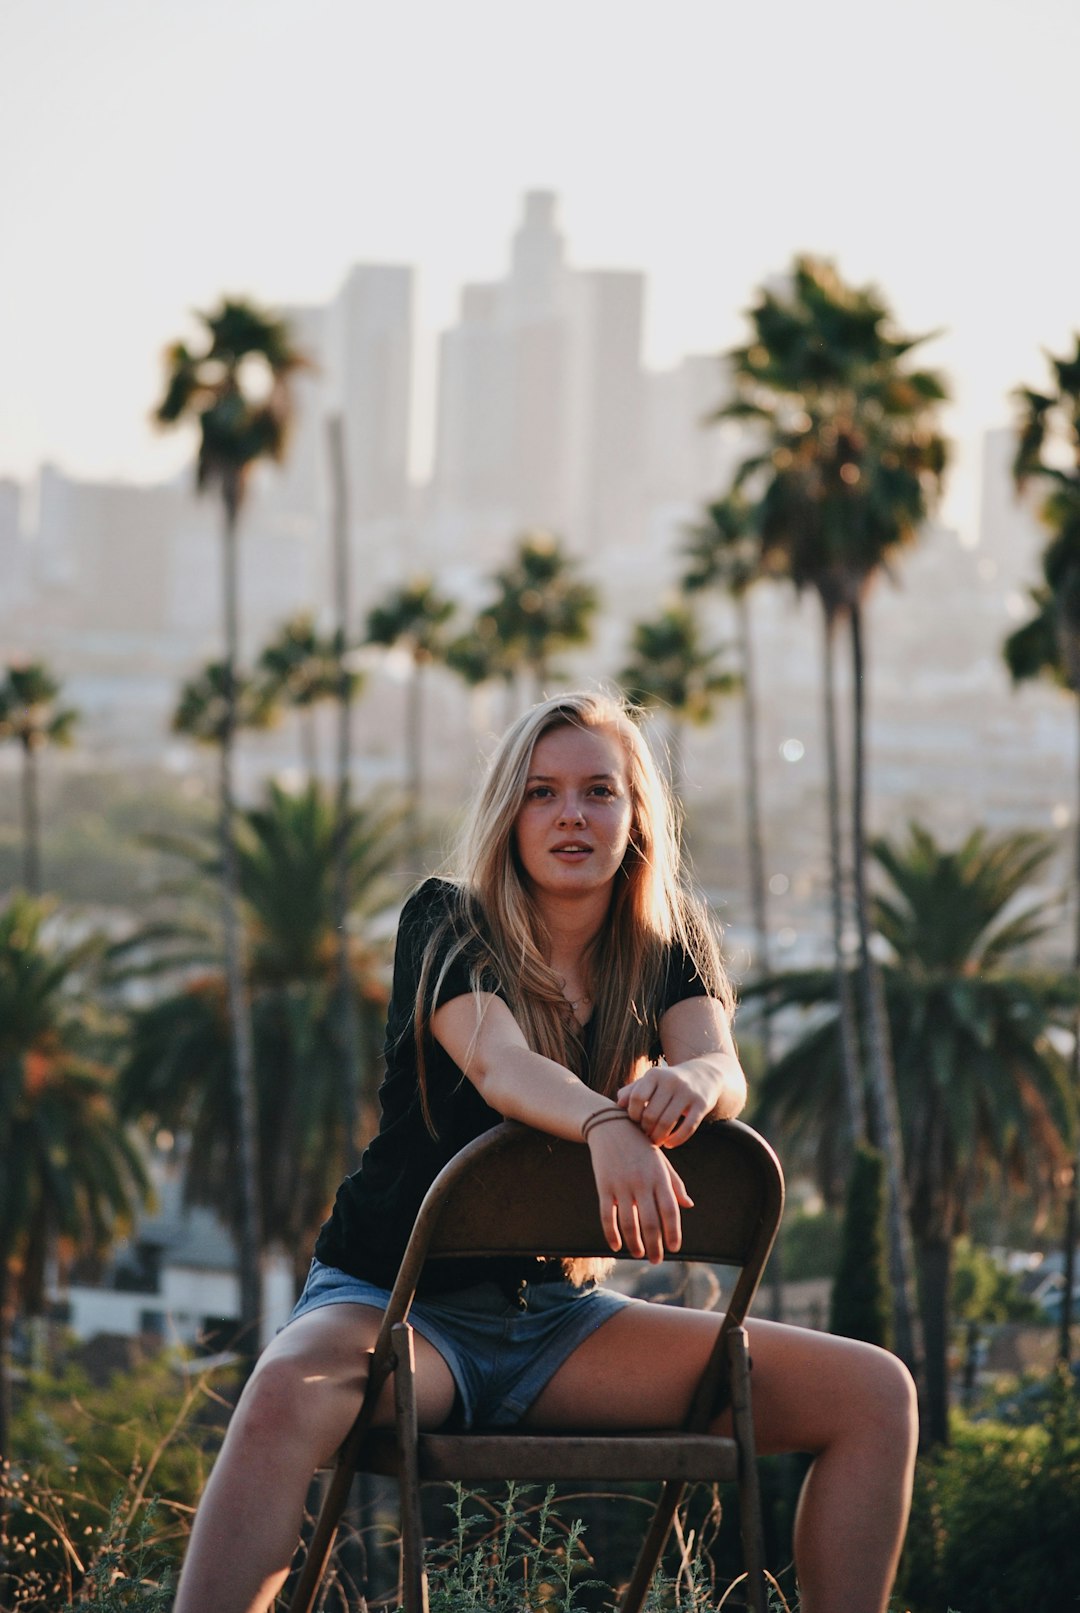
column 539, row 408
column 367, row 352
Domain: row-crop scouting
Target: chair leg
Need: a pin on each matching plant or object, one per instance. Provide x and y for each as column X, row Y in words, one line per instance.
column 651, row 1547
column 322, row 1539
column 413, row 1576
column 750, row 1524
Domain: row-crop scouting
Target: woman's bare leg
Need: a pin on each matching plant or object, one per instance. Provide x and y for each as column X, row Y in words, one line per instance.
column 849, row 1405
column 294, row 1413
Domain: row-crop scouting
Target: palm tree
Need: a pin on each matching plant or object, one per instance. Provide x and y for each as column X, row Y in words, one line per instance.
column 30, row 715
column 176, row 1071
column 983, row 1093
column 724, row 552
column 851, row 461
column 1048, row 645
column 238, row 427
column 214, row 705
column 413, row 618
column 71, row 1178
column 302, row 668
column 672, row 671
column 541, row 606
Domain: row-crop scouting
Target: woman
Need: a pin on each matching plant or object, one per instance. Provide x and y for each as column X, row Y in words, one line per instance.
column 546, row 984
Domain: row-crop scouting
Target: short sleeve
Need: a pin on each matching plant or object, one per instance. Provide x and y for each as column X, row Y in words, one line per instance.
column 681, row 980
column 427, row 908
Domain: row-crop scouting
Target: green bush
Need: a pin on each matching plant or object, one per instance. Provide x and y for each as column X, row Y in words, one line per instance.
column 102, row 1485
column 993, row 1528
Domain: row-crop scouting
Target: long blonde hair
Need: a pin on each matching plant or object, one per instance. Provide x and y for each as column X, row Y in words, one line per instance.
column 498, row 928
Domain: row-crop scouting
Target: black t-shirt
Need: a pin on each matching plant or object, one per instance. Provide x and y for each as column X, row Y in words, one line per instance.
column 375, row 1208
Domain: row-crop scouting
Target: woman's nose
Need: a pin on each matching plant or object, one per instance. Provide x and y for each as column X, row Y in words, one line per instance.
column 571, row 812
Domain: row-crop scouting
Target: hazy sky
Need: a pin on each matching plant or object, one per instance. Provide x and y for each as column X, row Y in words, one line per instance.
column 156, row 153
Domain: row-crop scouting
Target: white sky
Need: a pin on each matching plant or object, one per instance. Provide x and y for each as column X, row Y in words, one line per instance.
column 156, row 153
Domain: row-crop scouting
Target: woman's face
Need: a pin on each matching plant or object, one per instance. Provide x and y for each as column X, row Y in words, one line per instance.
column 573, row 827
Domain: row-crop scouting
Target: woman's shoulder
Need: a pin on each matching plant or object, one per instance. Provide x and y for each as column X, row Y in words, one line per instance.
column 435, row 898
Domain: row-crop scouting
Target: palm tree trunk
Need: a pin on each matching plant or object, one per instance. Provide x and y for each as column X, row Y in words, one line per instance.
column 5, row 1362
column 348, row 1017
column 882, row 1083
column 243, row 1052
column 850, row 1061
column 31, row 819
column 309, row 741
column 1070, row 1234
column 755, row 848
column 414, row 746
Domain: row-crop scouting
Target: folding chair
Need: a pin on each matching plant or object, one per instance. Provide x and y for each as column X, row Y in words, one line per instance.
column 515, row 1191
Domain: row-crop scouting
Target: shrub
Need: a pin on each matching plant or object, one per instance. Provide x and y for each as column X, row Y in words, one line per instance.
column 993, row 1528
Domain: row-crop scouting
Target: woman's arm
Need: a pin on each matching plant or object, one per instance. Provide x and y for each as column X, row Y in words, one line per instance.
column 639, row 1191
column 701, row 1080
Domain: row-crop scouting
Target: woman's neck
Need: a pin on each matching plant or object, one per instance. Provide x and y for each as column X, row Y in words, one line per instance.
column 572, row 924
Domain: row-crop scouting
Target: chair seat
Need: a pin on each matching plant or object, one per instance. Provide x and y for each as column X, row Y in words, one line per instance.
column 659, row 1454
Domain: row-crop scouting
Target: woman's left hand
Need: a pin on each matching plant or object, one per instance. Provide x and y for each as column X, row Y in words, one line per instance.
column 669, row 1102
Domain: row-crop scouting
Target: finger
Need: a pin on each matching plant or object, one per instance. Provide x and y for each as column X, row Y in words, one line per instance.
column 678, row 1187
column 672, row 1224
column 686, row 1125
column 631, row 1230
column 660, row 1124
column 610, row 1223
column 638, row 1098
column 653, row 1229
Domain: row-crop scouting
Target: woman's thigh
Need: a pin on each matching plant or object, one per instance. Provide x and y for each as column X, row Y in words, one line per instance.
column 641, row 1367
column 319, row 1364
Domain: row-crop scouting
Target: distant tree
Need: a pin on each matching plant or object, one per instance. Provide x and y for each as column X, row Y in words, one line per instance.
column 31, row 716
column 672, row 672
column 983, row 1091
column 861, row 1304
column 1048, row 645
column 541, row 606
column 236, row 391
column 70, row 1177
column 302, row 668
column 214, row 705
column 309, row 1130
column 413, row 618
column 723, row 553
column 851, row 460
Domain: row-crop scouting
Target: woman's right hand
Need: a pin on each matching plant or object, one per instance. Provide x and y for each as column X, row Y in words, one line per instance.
column 641, row 1194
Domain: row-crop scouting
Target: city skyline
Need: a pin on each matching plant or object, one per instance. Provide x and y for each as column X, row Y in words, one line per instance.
column 934, row 158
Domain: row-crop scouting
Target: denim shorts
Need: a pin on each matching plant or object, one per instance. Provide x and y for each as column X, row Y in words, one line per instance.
column 501, row 1352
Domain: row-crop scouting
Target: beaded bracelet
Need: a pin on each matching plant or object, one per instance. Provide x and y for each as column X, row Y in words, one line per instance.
column 598, row 1117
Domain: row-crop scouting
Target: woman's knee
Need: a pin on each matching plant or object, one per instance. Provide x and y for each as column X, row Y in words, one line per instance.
column 297, row 1394
column 885, row 1395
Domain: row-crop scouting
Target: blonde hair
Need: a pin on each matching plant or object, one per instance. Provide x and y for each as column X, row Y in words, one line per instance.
column 499, row 930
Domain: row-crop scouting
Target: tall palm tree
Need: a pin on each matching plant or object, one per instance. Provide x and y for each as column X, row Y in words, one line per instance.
column 214, row 705
column 723, row 552
column 672, row 671
column 541, row 606
column 301, row 668
column 175, row 1073
column 852, row 459
column 349, row 684
column 1048, row 645
column 413, row 618
column 70, row 1177
column 31, row 716
column 239, row 426
column 983, row 1092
